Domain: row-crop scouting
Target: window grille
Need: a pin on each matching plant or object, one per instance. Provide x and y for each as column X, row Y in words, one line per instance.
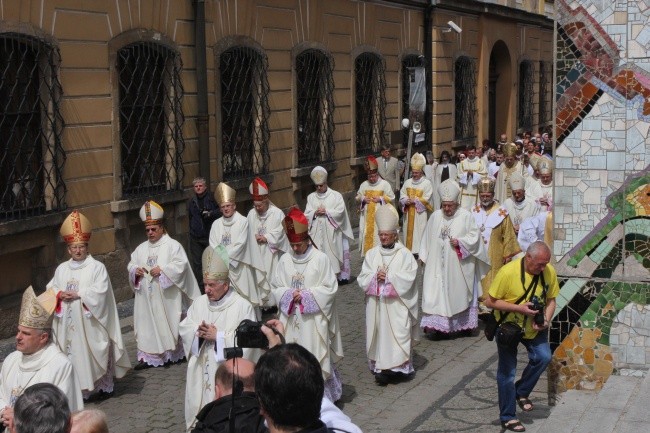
column 31, row 155
column 544, row 95
column 465, row 98
column 370, row 88
column 151, row 118
column 315, row 107
column 411, row 61
column 526, row 95
column 244, row 113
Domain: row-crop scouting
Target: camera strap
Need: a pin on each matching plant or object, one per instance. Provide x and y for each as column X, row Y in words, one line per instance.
column 527, row 291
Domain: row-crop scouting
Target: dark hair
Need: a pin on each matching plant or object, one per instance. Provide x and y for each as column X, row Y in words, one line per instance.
column 42, row 408
column 289, row 385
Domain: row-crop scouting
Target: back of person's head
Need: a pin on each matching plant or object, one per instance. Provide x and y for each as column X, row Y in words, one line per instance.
column 238, row 370
column 289, row 385
column 42, row 408
column 89, row 421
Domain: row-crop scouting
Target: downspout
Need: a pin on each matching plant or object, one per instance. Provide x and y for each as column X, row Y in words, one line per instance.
column 201, row 91
column 428, row 65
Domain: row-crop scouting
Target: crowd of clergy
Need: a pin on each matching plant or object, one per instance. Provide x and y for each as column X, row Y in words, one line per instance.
column 455, row 223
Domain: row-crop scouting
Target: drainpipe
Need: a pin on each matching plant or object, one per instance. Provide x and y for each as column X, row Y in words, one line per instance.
column 428, row 64
column 201, row 90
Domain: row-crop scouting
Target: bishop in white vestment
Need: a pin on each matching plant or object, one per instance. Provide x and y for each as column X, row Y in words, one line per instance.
column 231, row 231
column 36, row 359
column 329, row 224
column 372, row 193
column 305, row 286
column 86, row 324
column 164, row 286
column 519, row 206
column 209, row 328
column 455, row 261
column 387, row 278
column 267, row 240
column 470, row 171
column 415, row 199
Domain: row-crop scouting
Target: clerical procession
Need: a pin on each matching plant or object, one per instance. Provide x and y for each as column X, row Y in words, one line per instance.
column 465, row 229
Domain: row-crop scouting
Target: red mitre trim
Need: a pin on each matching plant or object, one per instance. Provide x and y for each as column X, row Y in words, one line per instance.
column 296, row 225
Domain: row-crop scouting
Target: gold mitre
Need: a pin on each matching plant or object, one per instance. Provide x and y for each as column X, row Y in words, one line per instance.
column 76, row 229
column 318, row 175
column 486, row 184
column 544, row 165
column 215, row 263
column 36, row 311
column 151, row 213
column 418, row 161
column 386, row 218
column 224, row 194
column 449, row 190
column 517, row 182
column 510, row 149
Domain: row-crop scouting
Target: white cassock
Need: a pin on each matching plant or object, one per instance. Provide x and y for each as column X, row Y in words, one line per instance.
column 48, row 365
column 536, row 228
column 502, row 185
column 368, row 235
column 518, row 212
column 266, row 256
column 415, row 215
column 232, row 233
column 314, row 323
column 331, row 232
column 160, row 301
column 429, row 171
column 451, row 171
column 225, row 314
column 88, row 329
column 468, row 190
column 451, row 283
column 537, row 191
column 391, row 307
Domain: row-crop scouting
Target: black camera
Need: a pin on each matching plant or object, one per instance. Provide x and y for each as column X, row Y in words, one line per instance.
column 247, row 335
column 538, row 318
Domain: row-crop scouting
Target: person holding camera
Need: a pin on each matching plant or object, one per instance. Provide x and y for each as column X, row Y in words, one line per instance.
column 210, row 327
column 202, row 211
column 523, row 296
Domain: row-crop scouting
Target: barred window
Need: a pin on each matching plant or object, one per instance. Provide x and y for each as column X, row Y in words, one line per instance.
column 465, row 98
column 411, row 61
column 315, row 107
column 370, row 88
column 545, row 77
column 151, row 118
column 31, row 155
column 244, row 113
column 526, row 95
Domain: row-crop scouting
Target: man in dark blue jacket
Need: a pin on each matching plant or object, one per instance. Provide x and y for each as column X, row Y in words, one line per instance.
column 202, row 211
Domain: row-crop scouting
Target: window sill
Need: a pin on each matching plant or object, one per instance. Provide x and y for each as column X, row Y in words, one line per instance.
column 126, row 205
column 356, row 161
column 244, row 183
column 306, row 171
column 32, row 223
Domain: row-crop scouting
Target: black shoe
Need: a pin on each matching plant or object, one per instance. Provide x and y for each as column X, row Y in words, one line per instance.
column 142, row 366
column 382, row 379
column 99, row 396
column 344, row 282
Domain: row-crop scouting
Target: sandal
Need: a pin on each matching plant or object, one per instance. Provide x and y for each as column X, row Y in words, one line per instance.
column 525, row 404
column 513, row 425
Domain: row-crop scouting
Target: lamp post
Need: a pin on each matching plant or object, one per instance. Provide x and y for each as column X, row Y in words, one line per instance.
column 417, row 127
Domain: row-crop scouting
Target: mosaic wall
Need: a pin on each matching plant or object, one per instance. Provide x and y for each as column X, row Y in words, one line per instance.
column 602, row 191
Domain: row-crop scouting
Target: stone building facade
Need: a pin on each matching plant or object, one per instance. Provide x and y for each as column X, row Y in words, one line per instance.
column 112, row 106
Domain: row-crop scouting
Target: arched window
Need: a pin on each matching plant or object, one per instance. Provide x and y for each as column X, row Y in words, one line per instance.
column 315, row 107
column 545, row 76
column 465, row 99
column 411, row 61
column 244, row 112
column 525, row 117
column 151, row 118
column 31, row 155
column 370, row 96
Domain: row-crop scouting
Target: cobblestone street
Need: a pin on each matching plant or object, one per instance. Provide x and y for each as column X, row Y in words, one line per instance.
column 453, row 390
